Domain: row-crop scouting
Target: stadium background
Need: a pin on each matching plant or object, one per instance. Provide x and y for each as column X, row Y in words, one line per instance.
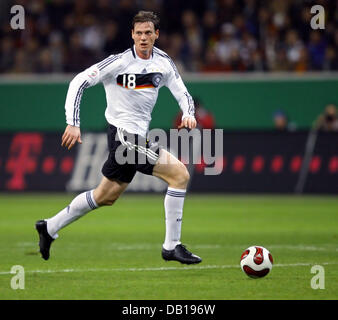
column 247, row 62
column 258, row 71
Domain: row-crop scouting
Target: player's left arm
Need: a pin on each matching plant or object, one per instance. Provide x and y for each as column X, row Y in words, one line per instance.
column 184, row 99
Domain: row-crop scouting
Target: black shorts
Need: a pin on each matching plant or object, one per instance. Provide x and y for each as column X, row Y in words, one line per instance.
column 129, row 153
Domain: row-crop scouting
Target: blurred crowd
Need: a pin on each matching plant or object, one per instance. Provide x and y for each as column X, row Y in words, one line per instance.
column 327, row 121
column 200, row 35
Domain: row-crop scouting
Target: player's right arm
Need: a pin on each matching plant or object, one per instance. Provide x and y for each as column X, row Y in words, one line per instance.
column 88, row 78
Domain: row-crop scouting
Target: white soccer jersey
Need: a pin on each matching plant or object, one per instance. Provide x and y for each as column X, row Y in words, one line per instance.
column 131, row 85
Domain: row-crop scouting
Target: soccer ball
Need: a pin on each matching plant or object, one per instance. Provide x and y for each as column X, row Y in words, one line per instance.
column 256, row 261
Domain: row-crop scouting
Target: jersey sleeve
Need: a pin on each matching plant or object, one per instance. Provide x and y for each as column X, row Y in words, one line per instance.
column 95, row 74
column 178, row 89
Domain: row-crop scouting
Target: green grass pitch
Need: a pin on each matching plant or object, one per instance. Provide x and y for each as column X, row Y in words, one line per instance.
column 114, row 252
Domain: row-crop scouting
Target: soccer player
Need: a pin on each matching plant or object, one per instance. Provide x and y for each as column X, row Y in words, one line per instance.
column 131, row 81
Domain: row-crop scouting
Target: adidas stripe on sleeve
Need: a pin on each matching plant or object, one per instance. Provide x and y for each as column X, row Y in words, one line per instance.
column 88, row 78
column 177, row 87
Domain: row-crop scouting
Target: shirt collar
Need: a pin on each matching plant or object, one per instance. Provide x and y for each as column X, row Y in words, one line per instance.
column 137, row 57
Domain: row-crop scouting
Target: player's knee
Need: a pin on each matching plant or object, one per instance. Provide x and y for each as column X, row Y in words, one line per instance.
column 185, row 174
column 182, row 176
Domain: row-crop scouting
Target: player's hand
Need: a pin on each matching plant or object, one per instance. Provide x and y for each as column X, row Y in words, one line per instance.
column 188, row 122
column 71, row 135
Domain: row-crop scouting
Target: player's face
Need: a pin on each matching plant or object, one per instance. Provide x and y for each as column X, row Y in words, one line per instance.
column 144, row 36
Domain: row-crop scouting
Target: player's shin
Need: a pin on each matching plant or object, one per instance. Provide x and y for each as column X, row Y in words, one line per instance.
column 173, row 205
column 80, row 205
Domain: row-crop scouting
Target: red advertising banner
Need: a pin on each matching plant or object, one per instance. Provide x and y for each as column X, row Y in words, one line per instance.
column 34, row 161
column 267, row 162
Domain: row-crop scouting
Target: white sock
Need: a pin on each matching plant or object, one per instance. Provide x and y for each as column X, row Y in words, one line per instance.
column 173, row 205
column 80, row 205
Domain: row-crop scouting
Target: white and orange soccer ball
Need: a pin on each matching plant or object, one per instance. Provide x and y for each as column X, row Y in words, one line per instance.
column 256, row 261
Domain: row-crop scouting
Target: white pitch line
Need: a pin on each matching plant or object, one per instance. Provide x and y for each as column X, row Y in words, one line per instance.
column 299, row 264
column 299, row 247
column 147, row 246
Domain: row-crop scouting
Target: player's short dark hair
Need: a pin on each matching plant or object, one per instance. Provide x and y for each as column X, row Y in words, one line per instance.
column 146, row 16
